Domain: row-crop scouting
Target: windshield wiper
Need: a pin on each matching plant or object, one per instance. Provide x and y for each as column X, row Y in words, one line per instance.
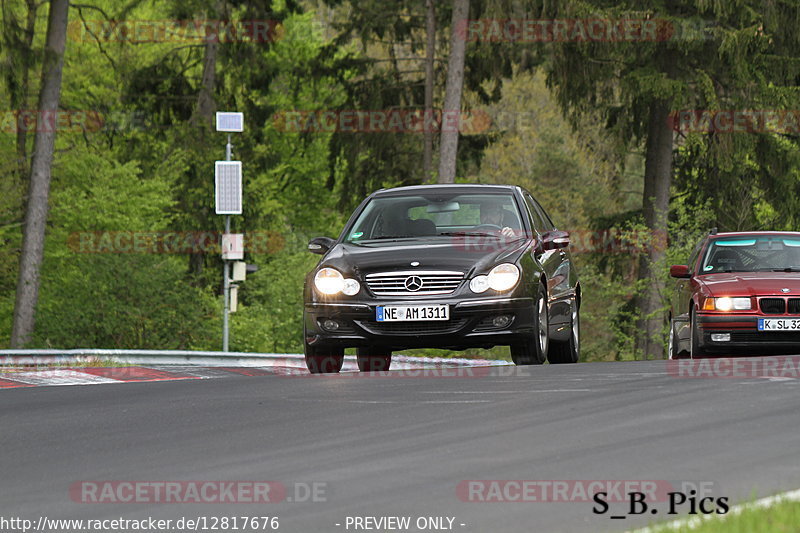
column 468, row 234
column 787, row 269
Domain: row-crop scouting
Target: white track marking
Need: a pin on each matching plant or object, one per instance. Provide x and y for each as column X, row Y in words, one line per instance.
column 58, row 377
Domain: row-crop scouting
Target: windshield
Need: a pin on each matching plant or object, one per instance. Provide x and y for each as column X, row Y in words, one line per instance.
column 435, row 215
column 753, row 254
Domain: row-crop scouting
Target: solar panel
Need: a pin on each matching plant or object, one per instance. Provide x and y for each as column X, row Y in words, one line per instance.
column 230, row 121
column 228, row 187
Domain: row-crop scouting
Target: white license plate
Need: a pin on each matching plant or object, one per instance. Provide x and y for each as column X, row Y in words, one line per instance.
column 779, row 324
column 407, row 313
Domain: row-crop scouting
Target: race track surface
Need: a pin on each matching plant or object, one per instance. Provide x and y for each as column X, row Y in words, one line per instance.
column 403, row 444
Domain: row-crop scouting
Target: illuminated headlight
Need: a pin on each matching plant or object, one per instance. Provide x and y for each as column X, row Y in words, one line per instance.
column 329, row 281
column 727, row 303
column 503, row 277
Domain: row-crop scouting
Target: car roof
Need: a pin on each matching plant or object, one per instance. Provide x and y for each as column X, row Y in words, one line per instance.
column 458, row 188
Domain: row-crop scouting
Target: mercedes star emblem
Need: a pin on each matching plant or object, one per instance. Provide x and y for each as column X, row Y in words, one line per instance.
column 784, row 290
column 413, row 283
column 414, row 263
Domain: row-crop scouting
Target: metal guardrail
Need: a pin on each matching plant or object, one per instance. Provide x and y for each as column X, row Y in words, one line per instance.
column 199, row 358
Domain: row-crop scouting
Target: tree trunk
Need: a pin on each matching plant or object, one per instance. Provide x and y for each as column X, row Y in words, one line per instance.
column 452, row 94
column 39, row 189
column 430, row 52
column 27, row 59
column 204, row 117
column 657, row 180
column 206, row 106
column 19, row 43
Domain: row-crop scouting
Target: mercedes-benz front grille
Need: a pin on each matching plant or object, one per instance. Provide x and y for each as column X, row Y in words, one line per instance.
column 414, row 283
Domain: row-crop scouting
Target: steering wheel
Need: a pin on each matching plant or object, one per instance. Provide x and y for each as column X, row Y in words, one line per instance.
column 492, row 227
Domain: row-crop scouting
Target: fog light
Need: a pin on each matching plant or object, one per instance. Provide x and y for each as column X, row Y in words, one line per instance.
column 720, row 337
column 501, row 321
column 330, row 325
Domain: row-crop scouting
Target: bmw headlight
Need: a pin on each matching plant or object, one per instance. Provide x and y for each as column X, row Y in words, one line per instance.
column 503, row 277
column 727, row 303
column 330, row 281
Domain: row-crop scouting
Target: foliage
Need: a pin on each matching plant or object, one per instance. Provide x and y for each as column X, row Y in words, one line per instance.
column 568, row 123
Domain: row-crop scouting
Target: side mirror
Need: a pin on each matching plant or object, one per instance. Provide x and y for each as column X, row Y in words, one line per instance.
column 554, row 240
column 320, row 245
column 680, row 271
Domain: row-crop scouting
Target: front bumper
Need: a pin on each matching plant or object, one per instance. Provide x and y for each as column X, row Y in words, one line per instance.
column 744, row 333
column 470, row 324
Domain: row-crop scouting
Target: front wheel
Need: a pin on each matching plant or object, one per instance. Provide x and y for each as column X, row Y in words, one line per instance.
column 568, row 351
column 533, row 351
column 673, row 348
column 373, row 360
column 323, row 360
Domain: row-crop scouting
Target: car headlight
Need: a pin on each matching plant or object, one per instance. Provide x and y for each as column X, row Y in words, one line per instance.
column 351, row 287
column 726, row 303
column 330, row 281
column 479, row 284
column 503, row 277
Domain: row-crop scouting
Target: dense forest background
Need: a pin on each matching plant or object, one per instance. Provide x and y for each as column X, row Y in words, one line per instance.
column 577, row 122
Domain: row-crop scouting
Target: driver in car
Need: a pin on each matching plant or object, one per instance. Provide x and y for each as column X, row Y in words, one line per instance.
column 493, row 213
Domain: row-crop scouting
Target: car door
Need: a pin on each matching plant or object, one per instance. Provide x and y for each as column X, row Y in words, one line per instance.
column 682, row 295
column 681, row 300
column 557, row 264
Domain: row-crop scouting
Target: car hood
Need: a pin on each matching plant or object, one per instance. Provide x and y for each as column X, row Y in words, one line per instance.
column 366, row 258
column 752, row 283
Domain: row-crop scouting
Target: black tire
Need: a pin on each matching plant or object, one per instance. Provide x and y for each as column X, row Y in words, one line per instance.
column 533, row 351
column 373, row 360
column 565, row 352
column 697, row 351
column 323, row 360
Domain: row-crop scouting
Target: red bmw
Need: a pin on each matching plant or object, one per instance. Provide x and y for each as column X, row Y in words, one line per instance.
column 740, row 292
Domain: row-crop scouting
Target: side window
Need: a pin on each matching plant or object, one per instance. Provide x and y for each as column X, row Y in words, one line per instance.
column 695, row 252
column 540, row 218
column 536, row 218
column 548, row 223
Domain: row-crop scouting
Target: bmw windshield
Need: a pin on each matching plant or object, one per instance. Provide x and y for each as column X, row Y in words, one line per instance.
column 762, row 253
column 435, row 215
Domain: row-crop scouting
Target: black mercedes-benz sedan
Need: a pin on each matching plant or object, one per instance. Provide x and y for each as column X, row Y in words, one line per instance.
column 443, row 266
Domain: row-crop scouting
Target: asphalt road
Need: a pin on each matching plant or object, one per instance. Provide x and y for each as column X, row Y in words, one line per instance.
column 400, row 446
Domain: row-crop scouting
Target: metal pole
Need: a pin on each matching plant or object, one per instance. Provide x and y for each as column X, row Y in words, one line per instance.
column 226, row 283
column 226, row 292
